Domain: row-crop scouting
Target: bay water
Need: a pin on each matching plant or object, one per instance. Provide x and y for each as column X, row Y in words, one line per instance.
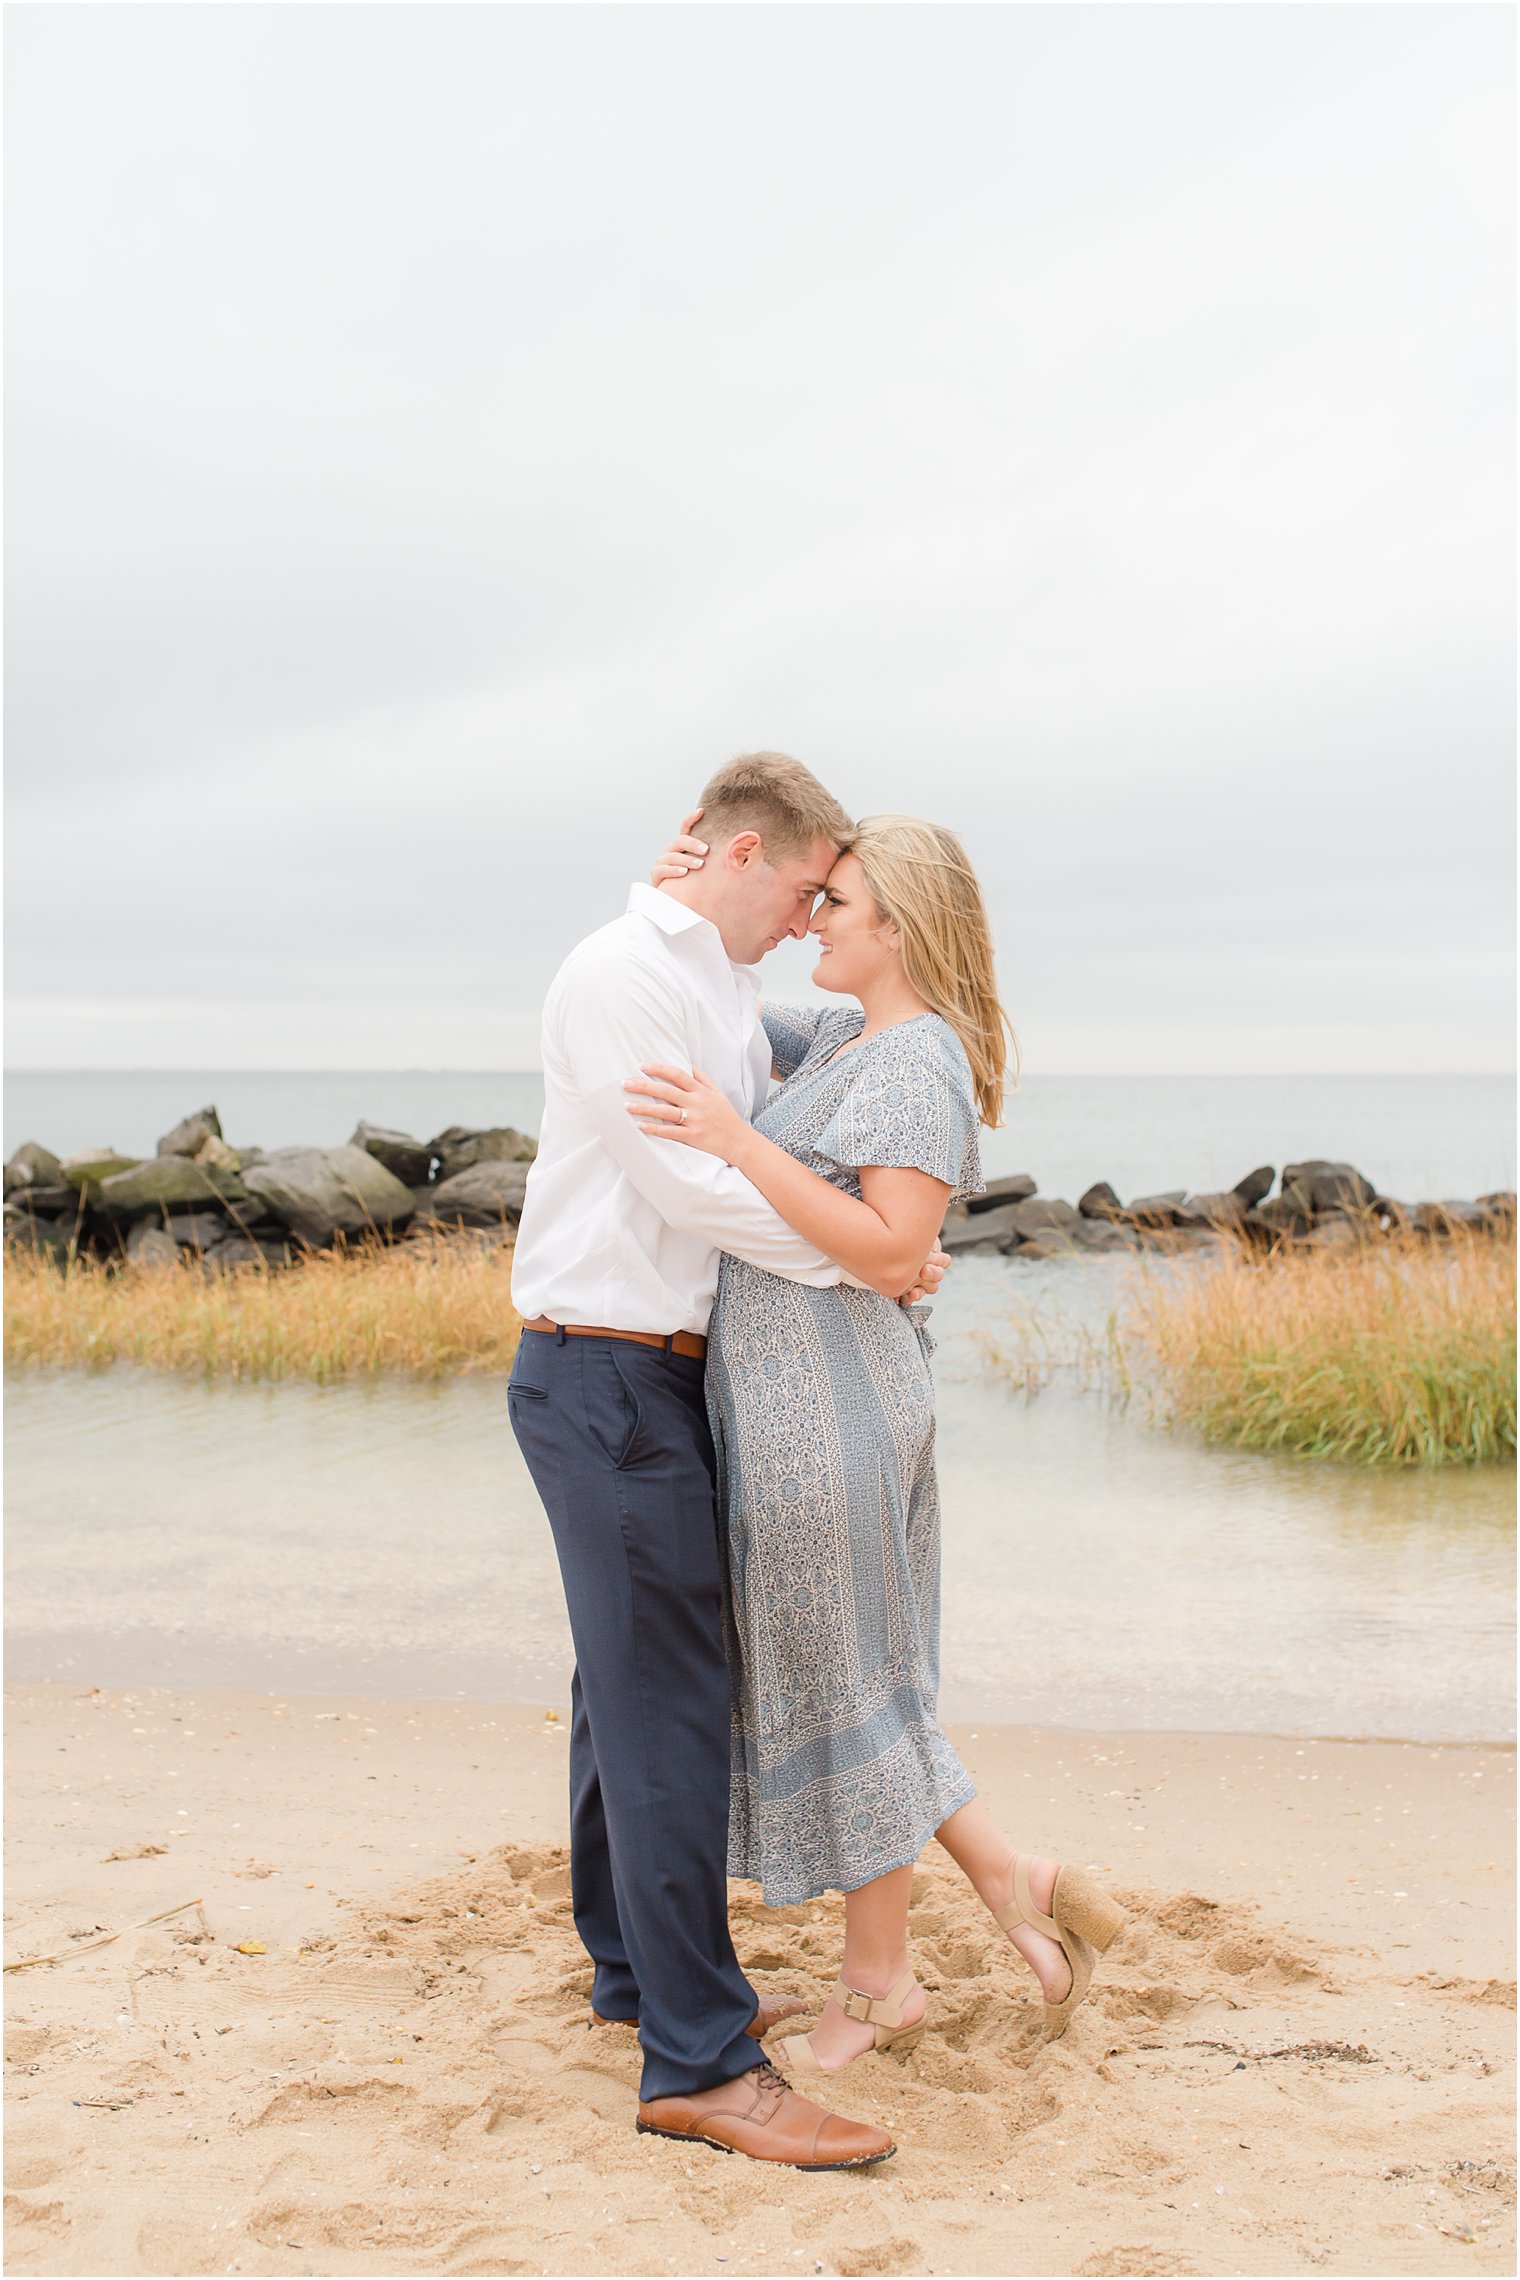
column 1416, row 1137
column 1100, row 1571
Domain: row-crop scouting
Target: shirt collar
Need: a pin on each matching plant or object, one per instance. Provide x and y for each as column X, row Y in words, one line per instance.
column 673, row 917
column 670, row 916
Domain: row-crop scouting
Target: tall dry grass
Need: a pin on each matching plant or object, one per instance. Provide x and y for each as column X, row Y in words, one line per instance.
column 1398, row 1352
column 426, row 1308
column 1033, row 1348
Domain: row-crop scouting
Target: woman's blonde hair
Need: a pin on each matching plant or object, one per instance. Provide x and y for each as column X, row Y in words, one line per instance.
column 921, row 879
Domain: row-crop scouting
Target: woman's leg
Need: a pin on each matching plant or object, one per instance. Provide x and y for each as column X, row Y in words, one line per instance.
column 981, row 1851
column 875, row 1957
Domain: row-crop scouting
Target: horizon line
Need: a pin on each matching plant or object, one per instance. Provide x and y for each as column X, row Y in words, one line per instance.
column 419, row 1070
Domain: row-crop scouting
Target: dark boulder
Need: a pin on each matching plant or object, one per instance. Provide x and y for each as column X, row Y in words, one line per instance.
column 1498, row 1207
column 249, row 1251
column 988, row 1231
column 198, row 1230
column 1321, row 1186
column 1336, row 1231
column 236, row 1251
column 1091, row 1234
column 1157, row 1210
column 1441, row 1218
column 1225, row 1209
column 1255, row 1186
column 32, row 1166
column 1016, row 1188
column 486, row 1194
column 1099, row 1202
column 463, row 1144
column 60, row 1202
column 150, row 1246
column 28, row 1231
column 166, row 1183
column 320, row 1193
column 192, row 1133
column 1049, row 1243
column 409, row 1159
column 1279, row 1216
column 1041, row 1215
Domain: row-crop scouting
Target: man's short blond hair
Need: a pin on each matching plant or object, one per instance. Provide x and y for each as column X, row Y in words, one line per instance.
column 776, row 796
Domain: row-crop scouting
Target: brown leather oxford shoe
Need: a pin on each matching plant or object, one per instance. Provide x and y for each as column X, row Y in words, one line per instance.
column 770, row 2014
column 761, row 2115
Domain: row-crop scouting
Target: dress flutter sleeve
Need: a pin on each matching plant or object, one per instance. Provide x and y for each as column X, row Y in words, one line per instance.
column 911, row 1105
column 792, row 1030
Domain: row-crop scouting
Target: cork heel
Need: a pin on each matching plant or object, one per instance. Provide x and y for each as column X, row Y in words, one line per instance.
column 1086, row 1909
column 1084, row 1920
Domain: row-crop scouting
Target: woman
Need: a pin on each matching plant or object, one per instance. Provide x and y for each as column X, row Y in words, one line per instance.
column 823, row 1417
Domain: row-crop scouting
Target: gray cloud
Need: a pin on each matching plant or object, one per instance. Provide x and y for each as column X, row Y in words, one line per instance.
column 437, row 436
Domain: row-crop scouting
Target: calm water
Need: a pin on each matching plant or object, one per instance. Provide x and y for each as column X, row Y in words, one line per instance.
column 1098, row 1572
column 1413, row 1136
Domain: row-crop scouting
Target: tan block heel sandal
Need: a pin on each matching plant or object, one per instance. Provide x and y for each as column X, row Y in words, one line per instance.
column 884, row 2015
column 1085, row 1921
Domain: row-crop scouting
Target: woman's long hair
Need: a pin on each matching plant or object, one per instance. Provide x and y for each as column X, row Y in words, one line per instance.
column 921, row 879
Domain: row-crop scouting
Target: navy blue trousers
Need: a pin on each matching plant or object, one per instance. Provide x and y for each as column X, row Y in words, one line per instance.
column 616, row 1438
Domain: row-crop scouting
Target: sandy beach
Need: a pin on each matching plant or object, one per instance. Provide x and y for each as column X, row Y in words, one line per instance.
column 1299, row 2056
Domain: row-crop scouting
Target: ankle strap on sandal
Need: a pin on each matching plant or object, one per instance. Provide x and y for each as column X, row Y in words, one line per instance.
column 874, row 2010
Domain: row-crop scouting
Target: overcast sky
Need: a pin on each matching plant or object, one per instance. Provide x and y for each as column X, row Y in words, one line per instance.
column 439, row 435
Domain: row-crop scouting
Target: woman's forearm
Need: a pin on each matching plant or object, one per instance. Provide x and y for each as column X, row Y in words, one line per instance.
column 849, row 1230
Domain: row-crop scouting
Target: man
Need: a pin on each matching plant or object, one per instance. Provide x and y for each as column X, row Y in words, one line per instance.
column 614, row 1275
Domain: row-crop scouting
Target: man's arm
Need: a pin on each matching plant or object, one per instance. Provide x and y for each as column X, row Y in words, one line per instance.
column 609, row 1020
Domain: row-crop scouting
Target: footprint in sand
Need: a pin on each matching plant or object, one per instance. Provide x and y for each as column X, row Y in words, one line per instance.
column 899, row 2254
column 1112, row 2263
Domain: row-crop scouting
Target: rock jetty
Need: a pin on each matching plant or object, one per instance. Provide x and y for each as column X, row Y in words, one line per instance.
column 1318, row 1204
column 231, row 1206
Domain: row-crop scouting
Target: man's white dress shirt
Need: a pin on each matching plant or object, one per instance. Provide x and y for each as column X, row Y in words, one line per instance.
column 619, row 1229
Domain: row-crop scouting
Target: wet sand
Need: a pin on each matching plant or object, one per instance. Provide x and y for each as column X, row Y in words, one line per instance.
column 1298, row 2055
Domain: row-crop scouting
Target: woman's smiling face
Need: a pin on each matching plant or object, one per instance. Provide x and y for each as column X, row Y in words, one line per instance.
column 855, row 943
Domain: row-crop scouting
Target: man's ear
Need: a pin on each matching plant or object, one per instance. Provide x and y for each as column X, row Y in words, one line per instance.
column 744, row 851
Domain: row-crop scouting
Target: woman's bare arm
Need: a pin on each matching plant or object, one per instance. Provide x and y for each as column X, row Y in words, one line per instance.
column 882, row 1237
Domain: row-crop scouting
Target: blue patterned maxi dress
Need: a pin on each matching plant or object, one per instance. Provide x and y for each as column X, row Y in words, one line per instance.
column 822, row 1411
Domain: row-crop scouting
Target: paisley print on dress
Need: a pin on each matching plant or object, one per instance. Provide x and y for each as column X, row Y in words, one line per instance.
column 822, row 1409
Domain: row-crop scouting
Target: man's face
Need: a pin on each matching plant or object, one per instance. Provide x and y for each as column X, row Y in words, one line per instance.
column 769, row 901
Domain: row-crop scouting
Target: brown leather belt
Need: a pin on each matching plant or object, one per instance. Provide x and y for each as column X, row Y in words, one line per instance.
column 677, row 1342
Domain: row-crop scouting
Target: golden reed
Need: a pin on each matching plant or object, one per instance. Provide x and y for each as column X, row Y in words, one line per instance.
column 428, row 1308
column 1401, row 1351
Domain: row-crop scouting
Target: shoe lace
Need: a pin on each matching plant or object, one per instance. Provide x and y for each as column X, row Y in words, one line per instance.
column 771, row 2077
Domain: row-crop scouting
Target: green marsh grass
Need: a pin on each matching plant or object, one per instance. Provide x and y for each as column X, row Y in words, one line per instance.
column 1400, row 1351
